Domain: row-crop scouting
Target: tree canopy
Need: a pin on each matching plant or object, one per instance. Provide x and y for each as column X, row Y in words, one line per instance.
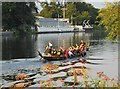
column 50, row 10
column 18, row 16
column 75, row 11
column 110, row 19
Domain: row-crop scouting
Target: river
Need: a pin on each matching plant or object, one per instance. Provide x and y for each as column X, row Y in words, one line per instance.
column 21, row 52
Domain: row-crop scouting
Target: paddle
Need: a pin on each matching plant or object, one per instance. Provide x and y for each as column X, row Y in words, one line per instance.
column 93, row 63
column 95, row 58
column 40, row 54
column 42, row 58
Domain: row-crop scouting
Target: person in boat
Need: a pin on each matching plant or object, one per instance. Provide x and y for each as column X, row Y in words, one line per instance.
column 87, row 46
column 70, row 52
column 53, row 52
column 82, row 43
column 77, row 45
column 82, row 50
column 66, row 53
column 60, row 51
column 73, row 50
column 77, row 50
column 49, row 47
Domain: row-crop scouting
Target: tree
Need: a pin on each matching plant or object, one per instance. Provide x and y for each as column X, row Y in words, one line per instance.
column 51, row 10
column 84, row 16
column 70, row 10
column 18, row 16
column 86, row 7
column 75, row 11
column 110, row 19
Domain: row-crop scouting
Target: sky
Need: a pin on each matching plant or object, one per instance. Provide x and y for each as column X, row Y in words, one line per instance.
column 99, row 0
column 96, row 3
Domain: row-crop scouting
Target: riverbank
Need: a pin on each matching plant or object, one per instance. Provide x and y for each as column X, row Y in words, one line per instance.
column 44, row 32
column 72, row 73
column 57, row 32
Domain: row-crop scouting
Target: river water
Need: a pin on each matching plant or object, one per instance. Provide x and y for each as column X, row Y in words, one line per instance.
column 21, row 52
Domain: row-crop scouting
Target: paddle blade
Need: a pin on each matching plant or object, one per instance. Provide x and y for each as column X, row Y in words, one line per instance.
column 40, row 54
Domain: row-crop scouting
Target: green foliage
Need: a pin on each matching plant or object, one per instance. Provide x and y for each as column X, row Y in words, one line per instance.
column 97, row 27
column 83, row 11
column 18, row 16
column 51, row 10
column 83, row 16
column 77, row 12
column 110, row 19
column 70, row 10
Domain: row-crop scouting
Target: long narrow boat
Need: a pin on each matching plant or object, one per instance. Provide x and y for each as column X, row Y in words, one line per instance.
column 54, row 58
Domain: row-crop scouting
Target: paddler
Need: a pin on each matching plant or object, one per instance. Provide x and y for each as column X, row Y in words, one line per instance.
column 49, row 47
column 87, row 46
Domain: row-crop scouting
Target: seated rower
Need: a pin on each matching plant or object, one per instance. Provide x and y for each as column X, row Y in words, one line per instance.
column 82, row 51
column 77, row 46
column 87, row 46
column 82, row 42
column 53, row 52
column 60, row 51
column 70, row 52
column 73, row 50
column 77, row 50
column 66, row 53
column 49, row 48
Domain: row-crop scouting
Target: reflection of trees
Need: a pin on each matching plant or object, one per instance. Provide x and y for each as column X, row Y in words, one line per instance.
column 98, row 35
column 6, row 50
column 19, row 47
column 64, row 40
column 29, row 46
column 77, row 37
column 94, row 38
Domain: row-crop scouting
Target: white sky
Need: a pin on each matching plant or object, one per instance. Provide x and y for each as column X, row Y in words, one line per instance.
column 99, row 3
column 99, row 0
column 96, row 3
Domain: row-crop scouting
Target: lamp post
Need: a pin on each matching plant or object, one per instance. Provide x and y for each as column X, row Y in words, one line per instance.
column 58, row 21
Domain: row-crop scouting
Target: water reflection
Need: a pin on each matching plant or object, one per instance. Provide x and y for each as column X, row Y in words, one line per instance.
column 27, row 46
column 18, row 47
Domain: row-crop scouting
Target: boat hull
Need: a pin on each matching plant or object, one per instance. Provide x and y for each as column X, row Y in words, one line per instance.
column 54, row 58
